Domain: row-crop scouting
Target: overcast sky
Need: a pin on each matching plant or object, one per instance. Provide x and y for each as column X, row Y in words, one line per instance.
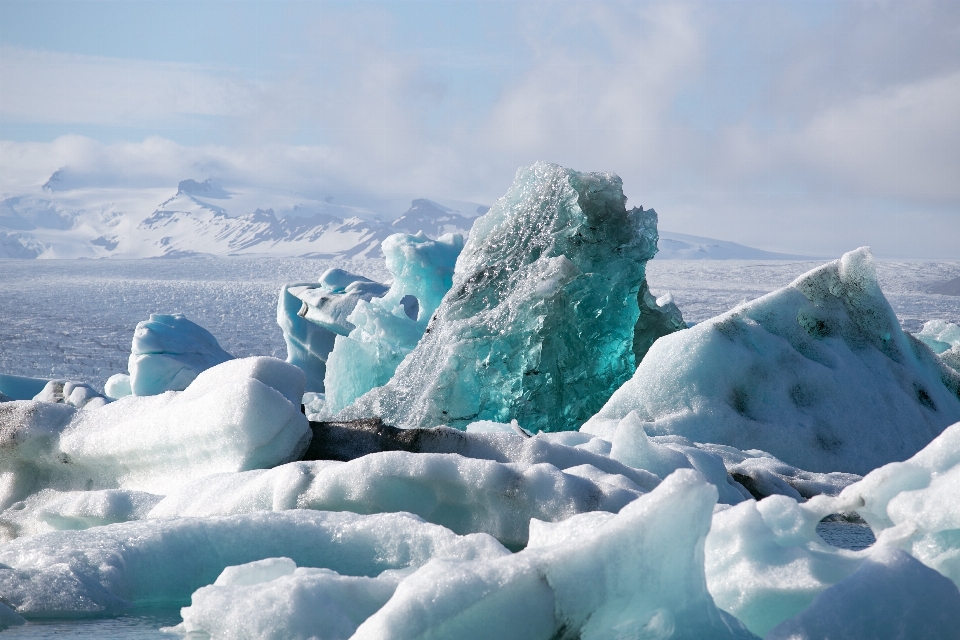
column 810, row 127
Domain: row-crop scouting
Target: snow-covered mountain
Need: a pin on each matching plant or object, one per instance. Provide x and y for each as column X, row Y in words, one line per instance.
column 64, row 220
column 195, row 221
column 680, row 246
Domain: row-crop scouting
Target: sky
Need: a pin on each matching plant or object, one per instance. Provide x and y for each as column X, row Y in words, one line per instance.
column 810, row 127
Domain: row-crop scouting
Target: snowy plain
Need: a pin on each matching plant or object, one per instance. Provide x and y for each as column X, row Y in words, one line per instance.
column 75, row 319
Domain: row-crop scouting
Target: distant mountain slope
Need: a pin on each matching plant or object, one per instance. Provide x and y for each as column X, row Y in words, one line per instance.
column 195, row 222
column 680, row 246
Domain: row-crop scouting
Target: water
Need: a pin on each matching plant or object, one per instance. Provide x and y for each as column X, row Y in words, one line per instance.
column 855, row 536
column 143, row 624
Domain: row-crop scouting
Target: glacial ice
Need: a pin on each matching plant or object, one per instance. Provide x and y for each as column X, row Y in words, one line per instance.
column 388, row 328
column 312, row 314
column 466, row 495
column 943, row 338
column 890, row 597
column 539, row 323
column 168, row 353
column 108, row 569
column 639, row 573
column 75, row 394
column 274, row 598
column 819, row 374
column 242, row 414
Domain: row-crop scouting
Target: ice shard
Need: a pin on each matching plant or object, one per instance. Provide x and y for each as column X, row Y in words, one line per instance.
column 539, row 323
column 388, row 328
column 818, row 373
column 313, row 314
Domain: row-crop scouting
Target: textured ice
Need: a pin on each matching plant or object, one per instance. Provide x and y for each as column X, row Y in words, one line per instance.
column 890, row 597
column 274, row 598
column 242, row 414
column 313, row 314
column 75, row 394
column 465, row 495
column 52, row 510
column 913, row 504
column 639, row 574
column 539, row 324
column 819, row 374
column 107, row 569
column 389, row 327
column 944, row 339
column 168, row 353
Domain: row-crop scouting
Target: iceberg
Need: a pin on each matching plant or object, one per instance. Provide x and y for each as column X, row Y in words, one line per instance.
column 75, row 394
column 539, row 325
column 168, row 353
column 389, row 327
column 240, row 415
column 818, row 373
column 943, row 338
column 312, row 314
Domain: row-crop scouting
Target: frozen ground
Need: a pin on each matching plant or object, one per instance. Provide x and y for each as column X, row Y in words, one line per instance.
column 75, row 318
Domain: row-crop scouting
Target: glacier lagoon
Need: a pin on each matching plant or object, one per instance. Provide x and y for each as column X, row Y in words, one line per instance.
column 596, row 556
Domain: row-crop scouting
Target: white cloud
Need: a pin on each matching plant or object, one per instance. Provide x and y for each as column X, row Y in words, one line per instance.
column 52, row 87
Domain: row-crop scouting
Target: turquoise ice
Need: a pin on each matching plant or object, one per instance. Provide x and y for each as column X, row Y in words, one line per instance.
column 539, row 323
column 388, row 328
column 312, row 314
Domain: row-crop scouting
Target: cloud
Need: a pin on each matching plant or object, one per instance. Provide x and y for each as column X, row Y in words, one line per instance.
column 53, row 87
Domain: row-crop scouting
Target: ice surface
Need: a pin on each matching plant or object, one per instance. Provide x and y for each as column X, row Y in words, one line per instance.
column 275, row 599
column 388, row 328
column 105, row 570
column 20, row 387
column 765, row 562
column 890, row 597
column 313, row 314
column 819, row 374
column 118, row 386
column 639, row 574
column 242, row 414
column 940, row 336
column 169, row 352
column 465, row 495
column 539, row 324
column 9, row 617
column 52, row 510
column 75, row 394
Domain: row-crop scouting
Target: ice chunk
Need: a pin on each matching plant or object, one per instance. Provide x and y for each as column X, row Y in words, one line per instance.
column 313, row 314
column 75, row 394
column 913, row 504
column 891, row 596
column 466, row 495
column 388, row 328
column 21, row 387
column 30, row 458
column 169, row 352
column 242, row 414
column 9, row 617
column 818, row 373
column 51, row 510
column 104, row 570
column 286, row 602
column 939, row 335
column 765, row 562
column 236, row 416
column 539, row 324
column 118, row 386
column 640, row 574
